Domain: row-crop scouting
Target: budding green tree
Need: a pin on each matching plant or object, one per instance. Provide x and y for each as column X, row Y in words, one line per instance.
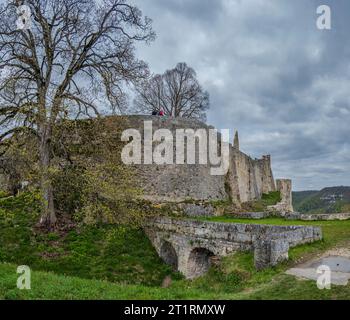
column 71, row 60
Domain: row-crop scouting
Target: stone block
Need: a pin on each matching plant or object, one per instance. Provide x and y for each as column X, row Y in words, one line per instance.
column 268, row 253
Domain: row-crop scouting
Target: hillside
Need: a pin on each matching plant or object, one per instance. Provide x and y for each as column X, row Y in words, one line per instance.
column 107, row 252
column 328, row 200
column 116, row 262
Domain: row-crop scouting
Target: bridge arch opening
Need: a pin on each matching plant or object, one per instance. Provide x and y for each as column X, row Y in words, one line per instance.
column 199, row 262
column 169, row 255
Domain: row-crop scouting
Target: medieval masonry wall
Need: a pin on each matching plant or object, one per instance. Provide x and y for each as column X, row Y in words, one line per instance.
column 247, row 178
column 175, row 182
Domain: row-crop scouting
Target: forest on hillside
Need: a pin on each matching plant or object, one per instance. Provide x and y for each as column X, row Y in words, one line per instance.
column 328, row 200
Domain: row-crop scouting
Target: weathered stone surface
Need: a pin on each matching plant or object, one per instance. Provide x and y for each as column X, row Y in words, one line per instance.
column 270, row 252
column 246, row 180
column 285, row 206
column 292, row 216
column 197, row 210
column 194, row 243
column 252, row 215
column 317, row 217
column 325, row 216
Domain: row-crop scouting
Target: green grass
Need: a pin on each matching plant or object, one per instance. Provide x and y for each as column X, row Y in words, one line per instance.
column 46, row 285
column 236, row 280
column 284, row 287
column 3, row 194
column 110, row 262
column 267, row 199
column 107, row 252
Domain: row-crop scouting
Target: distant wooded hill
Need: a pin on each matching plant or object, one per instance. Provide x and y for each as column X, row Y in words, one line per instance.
column 328, row 200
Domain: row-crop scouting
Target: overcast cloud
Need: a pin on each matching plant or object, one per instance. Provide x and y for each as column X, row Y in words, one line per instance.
column 270, row 73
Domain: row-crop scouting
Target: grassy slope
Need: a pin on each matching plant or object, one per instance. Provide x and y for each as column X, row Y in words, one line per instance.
column 125, row 266
column 111, row 253
column 46, row 285
column 269, row 284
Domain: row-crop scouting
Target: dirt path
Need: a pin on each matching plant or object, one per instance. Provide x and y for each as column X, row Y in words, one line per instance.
column 336, row 260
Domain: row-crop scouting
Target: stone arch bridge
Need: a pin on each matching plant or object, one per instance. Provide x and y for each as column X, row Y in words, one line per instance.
column 192, row 246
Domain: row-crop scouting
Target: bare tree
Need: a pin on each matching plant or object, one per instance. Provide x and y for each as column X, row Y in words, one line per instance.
column 177, row 92
column 71, row 59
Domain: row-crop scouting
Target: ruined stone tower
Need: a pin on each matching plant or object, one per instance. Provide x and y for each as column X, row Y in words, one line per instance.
column 236, row 141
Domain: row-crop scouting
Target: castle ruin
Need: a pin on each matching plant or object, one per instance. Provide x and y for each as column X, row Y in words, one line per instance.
column 246, row 180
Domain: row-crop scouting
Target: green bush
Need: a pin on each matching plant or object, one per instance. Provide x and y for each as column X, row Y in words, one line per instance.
column 68, row 185
column 267, row 199
column 3, row 194
column 271, row 198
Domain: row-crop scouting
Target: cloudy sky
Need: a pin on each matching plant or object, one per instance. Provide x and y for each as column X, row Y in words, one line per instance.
column 283, row 83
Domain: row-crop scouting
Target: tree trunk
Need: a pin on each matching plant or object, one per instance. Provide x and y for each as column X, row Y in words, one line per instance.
column 48, row 216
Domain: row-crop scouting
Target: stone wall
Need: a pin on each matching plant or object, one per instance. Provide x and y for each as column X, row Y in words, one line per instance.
column 246, row 179
column 193, row 243
column 249, row 178
column 319, row 217
column 176, row 182
column 285, row 206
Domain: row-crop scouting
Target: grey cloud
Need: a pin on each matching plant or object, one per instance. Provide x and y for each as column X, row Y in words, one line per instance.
column 270, row 73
